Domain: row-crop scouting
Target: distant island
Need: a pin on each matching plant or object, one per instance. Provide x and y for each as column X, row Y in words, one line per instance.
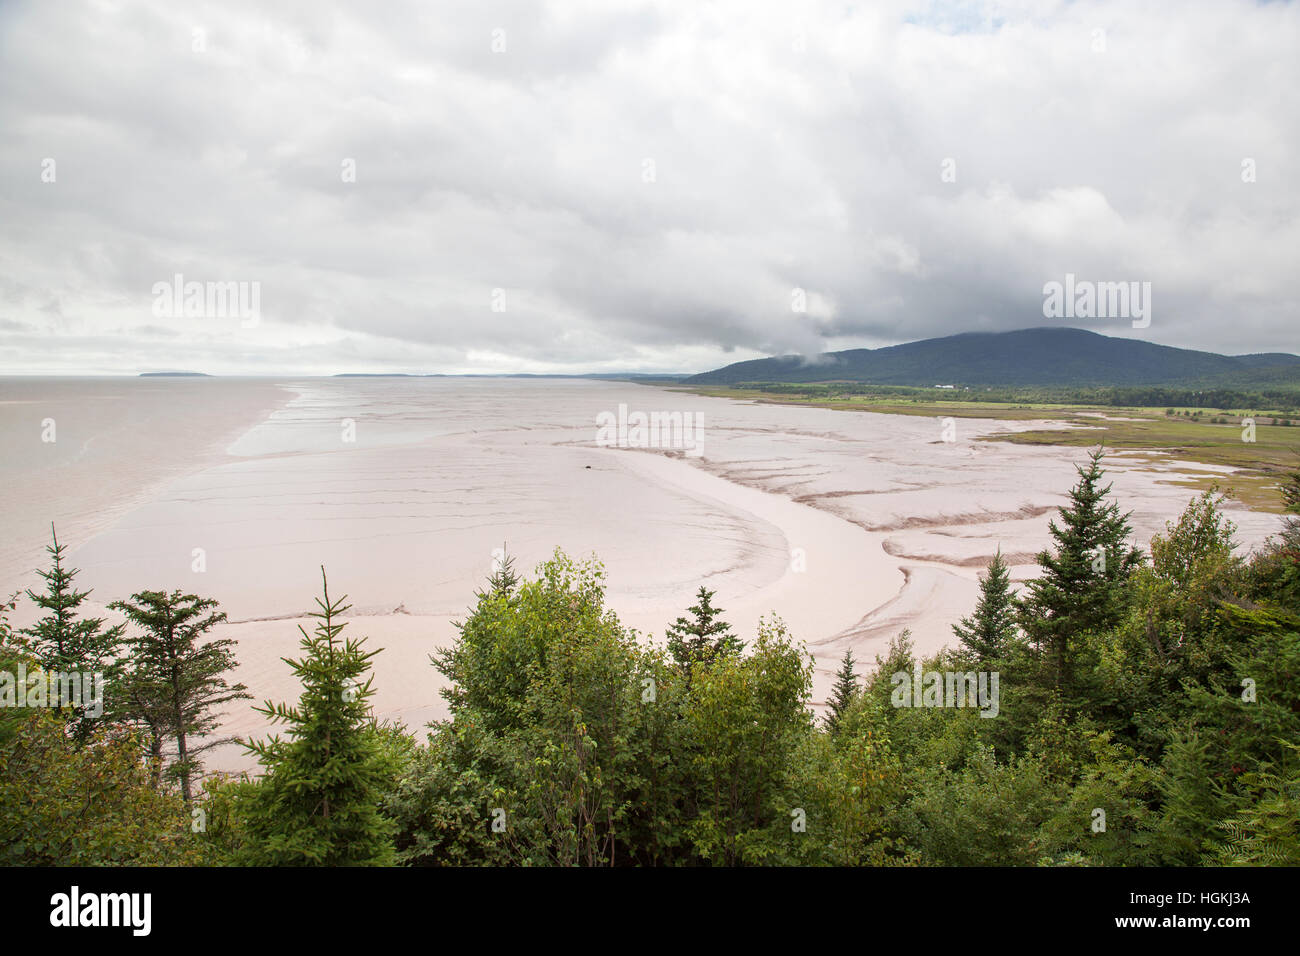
column 175, row 375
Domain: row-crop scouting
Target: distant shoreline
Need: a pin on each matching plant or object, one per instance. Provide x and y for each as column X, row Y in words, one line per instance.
column 1201, row 435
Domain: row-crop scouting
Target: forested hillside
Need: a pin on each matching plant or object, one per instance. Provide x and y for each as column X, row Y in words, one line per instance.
column 1058, row 357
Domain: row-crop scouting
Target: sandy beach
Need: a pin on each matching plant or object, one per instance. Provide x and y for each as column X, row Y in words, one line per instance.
column 849, row 526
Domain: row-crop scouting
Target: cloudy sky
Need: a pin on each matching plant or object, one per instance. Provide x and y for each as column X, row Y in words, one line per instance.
column 490, row 186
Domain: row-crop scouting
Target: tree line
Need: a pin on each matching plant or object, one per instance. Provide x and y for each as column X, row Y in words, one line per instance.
column 1284, row 399
column 1149, row 715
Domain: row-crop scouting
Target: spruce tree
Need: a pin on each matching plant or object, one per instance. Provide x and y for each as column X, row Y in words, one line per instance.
column 503, row 580
column 318, row 803
column 846, row 688
column 175, row 684
column 1081, row 589
column 65, row 644
column 702, row 638
column 986, row 634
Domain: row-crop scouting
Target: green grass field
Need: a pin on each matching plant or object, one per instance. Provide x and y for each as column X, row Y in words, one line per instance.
column 1150, row 434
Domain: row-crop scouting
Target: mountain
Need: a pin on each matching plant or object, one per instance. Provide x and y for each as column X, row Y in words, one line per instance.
column 1042, row 356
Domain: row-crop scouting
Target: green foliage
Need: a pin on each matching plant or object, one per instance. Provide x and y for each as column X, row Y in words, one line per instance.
column 985, row 814
column 69, row 802
column 587, row 748
column 503, row 579
column 1171, row 635
column 173, row 685
column 504, row 644
column 1265, row 831
column 1197, row 549
column 1274, row 575
column 13, row 651
column 73, row 798
column 61, row 642
column 702, row 638
column 318, row 801
column 987, row 635
column 579, row 768
column 1149, row 715
column 898, row 657
column 1105, row 818
column 442, row 805
column 752, row 713
column 843, row 693
column 1193, row 803
column 1290, row 491
column 1082, row 588
column 561, row 728
column 219, row 811
column 851, row 784
column 1235, row 733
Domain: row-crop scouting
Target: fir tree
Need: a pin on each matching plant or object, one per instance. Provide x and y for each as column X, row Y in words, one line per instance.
column 842, row 694
column 319, row 801
column 1081, row 589
column 986, row 634
column 63, row 643
column 503, row 580
column 175, row 684
column 702, row 638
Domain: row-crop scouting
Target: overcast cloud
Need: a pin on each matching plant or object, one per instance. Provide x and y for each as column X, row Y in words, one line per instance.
column 647, row 184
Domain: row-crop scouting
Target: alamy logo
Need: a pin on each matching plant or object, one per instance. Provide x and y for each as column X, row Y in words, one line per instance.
column 179, row 299
column 683, row 431
column 946, row 689
column 81, row 689
column 1084, row 299
column 102, row 909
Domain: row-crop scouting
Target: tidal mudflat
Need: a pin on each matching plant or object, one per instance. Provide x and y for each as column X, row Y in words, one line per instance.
column 850, row 526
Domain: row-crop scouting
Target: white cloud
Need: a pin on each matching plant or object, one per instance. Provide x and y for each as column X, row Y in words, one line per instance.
column 786, row 147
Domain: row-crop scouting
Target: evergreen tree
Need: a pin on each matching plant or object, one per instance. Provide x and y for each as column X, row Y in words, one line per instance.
column 61, row 642
column 986, row 635
column 13, row 651
column 174, row 684
column 1275, row 569
column 503, row 580
column 1081, row 589
column 1291, row 492
column 842, row 694
column 319, row 801
column 703, row 638
column 10, row 642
